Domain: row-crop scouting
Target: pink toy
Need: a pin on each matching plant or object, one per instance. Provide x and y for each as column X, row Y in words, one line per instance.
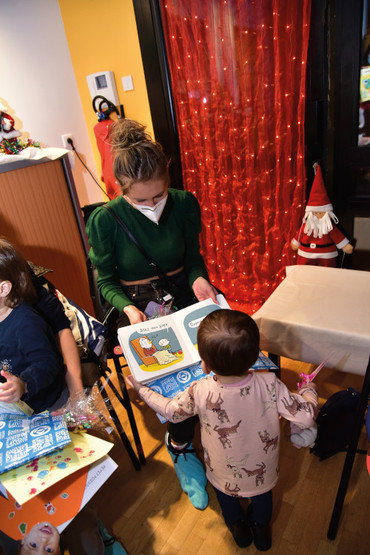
column 307, row 378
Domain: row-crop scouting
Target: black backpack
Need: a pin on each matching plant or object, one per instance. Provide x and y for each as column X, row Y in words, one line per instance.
column 335, row 423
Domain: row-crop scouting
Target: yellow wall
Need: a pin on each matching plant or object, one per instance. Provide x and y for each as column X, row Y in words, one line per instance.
column 102, row 36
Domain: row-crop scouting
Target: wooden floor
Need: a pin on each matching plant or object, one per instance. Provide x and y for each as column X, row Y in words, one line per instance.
column 150, row 513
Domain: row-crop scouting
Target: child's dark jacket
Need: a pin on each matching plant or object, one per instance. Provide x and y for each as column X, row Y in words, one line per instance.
column 28, row 350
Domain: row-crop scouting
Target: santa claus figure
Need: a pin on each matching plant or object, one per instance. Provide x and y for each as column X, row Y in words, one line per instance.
column 7, row 130
column 319, row 239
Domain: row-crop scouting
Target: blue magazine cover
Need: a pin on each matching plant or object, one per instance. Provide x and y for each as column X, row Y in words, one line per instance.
column 23, row 439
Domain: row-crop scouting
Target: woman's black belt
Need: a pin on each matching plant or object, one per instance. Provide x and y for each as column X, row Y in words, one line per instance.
column 141, row 289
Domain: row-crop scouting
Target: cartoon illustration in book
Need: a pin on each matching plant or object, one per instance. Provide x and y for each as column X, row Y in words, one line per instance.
column 164, row 344
column 155, row 349
column 147, row 346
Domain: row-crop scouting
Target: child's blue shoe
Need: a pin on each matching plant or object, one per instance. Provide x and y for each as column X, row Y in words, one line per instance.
column 111, row 544
column 190, row 472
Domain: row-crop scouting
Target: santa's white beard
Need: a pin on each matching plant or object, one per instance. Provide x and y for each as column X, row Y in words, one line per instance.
column 318, row 226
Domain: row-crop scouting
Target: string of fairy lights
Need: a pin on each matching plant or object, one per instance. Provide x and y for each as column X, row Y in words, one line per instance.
column 238, row 79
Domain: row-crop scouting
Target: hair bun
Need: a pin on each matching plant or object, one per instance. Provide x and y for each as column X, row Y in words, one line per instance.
column 127, row 133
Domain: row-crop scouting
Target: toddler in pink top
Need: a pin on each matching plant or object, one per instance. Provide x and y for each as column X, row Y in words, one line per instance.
column 239, row 414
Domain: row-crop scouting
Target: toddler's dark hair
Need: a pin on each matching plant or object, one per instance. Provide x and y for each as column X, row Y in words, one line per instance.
column 137, row 158
column 228, row 342
column 14, row 268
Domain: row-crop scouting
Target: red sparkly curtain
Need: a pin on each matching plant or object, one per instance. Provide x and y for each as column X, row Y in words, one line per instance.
column 238, row 78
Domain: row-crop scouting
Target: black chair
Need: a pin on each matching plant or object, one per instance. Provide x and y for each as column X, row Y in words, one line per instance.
column 350, row 457
column 95, row 368
column 123, row 397
column 108, row 315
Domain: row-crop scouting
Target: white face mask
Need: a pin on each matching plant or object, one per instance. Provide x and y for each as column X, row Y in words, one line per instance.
column 152, row 212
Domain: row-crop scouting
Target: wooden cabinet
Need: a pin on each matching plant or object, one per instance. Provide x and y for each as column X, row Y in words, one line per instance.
column 41, row 216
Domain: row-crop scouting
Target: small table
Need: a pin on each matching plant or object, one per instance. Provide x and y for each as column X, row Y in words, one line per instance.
column 319, row 312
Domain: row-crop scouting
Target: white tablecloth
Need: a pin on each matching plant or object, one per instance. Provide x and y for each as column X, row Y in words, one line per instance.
column 318, row 312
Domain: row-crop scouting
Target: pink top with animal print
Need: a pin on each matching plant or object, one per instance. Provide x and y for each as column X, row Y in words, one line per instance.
column 240, row 427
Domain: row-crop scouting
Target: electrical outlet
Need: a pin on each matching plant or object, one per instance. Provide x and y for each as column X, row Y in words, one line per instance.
column 127, row 83
column 65, row 139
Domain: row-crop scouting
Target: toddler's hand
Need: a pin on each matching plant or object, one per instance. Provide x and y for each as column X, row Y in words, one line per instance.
column 310, row 385
column 12, row 390
column 309, row 393
column 133, row 383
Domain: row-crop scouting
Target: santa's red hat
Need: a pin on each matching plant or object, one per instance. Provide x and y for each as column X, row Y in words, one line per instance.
column 318, row 200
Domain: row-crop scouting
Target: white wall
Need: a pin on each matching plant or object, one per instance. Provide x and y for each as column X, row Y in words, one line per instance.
column 38, row 86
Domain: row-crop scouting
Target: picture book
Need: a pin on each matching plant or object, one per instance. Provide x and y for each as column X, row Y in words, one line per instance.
column 158, row 347
column 59, row 504
column 23, row 439
column 29, row 480
column 172, row 384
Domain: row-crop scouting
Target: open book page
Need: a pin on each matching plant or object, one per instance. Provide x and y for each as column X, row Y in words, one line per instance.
column 167, row 344
column 189, row 318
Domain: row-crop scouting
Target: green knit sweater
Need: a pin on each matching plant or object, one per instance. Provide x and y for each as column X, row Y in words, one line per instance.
column 173, row 243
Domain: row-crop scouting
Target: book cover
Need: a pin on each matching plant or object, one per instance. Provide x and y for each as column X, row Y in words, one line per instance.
column 158, row 347
column 23, row 439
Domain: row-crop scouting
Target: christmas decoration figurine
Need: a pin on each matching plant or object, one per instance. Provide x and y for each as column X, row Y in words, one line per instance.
column 10, row 143
column 319, row 239
column 7, row 130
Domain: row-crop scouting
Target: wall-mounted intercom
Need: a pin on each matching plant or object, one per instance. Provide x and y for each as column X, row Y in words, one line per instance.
column 103, row 83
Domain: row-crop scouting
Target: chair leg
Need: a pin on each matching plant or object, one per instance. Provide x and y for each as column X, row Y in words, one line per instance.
column 348, row 463
column 122, row 434
column 125, row 401
column 276, row 360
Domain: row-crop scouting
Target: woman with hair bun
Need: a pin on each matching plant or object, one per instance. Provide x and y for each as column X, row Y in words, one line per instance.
column 166, row 223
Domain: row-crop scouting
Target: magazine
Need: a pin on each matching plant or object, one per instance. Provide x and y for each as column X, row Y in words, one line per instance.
column 158, row 347
column 23, row 439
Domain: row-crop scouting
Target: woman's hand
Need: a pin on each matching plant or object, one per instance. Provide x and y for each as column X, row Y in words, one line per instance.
column 134, row 314
column 12, row 390
column 204, row 290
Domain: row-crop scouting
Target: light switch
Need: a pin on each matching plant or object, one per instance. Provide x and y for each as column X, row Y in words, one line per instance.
column 127, row 83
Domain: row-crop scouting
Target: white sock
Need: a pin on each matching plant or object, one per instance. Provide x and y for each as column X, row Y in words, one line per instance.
column 178, row 447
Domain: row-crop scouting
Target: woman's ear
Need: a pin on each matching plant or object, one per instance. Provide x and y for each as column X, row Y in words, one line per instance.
column 5, row 288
